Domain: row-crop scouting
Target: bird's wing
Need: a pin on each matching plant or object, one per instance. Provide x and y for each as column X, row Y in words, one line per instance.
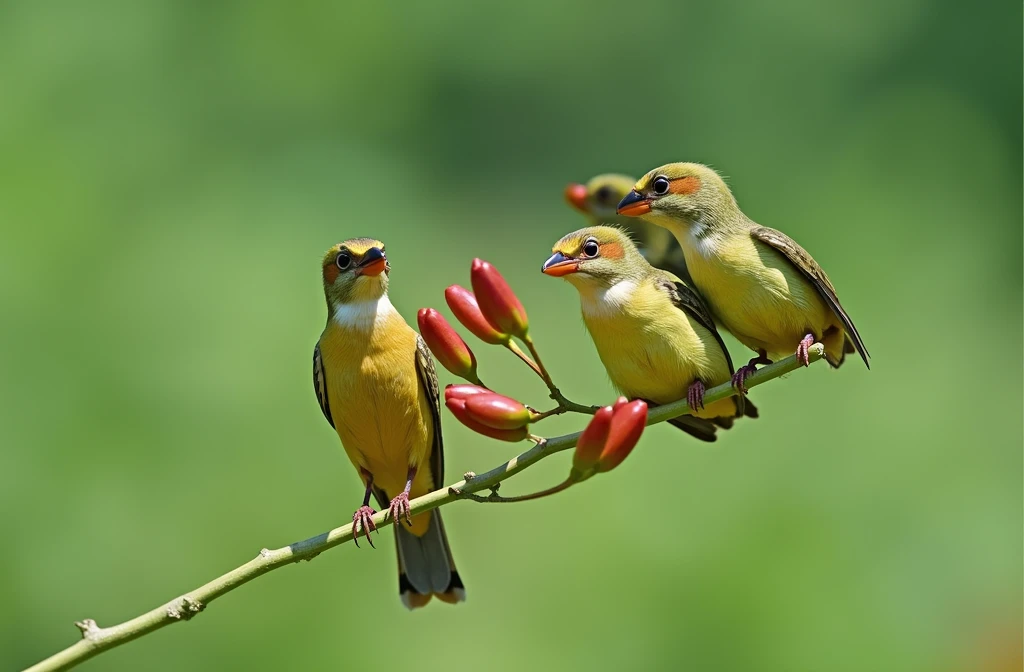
column 320, row 384
column 687, row 300
column 806, row 264
column 428, row 378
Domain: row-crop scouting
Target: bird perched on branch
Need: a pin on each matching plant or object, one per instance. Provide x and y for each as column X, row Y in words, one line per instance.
column 375, row 381
column 653, row 333
column 759, row 283
column 598, row 198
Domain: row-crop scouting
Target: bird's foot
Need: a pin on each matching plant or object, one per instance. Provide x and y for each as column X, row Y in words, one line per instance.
column 362, row 519
column 399, row 508
column 739, row 379
column 803, row 354
column 695, row 395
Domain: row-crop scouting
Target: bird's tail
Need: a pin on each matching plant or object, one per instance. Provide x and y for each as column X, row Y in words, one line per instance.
column 699, row 428
column 425, row 565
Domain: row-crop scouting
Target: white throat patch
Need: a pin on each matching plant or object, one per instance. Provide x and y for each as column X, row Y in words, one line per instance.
column 364, row 315
column 608, row 301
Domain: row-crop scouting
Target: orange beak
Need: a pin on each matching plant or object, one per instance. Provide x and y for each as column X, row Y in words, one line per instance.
column 558, row 265
column 634, row 205
column 374, row 263
column 576, row 195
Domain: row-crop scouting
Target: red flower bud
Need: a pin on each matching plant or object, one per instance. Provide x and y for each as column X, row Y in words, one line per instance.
column 467, row 311
column 497, row 301
column 458, row 409
column 446, row 344
column 619, row 403
column 626, row 427
column 497, row 411
column 463, row 391
column 592, row 441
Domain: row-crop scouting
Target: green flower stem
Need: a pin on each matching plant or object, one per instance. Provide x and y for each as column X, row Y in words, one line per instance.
column 96, row 640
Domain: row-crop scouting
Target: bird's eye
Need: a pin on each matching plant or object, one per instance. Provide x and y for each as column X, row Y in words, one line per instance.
column 660, row 185
column 590, row 248
column 343, row 260
column 602, row 195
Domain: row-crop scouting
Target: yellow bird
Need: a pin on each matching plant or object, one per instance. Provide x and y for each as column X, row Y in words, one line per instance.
column 653, row 333
column 375, row 381
column 598, row 198
column 759, row 283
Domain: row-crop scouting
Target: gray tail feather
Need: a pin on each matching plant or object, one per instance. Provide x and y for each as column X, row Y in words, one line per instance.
column 696, row 427
column 425, row 565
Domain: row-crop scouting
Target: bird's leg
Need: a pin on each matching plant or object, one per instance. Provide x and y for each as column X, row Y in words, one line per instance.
column 739, row 379
column 695, row 395
column 803, row 350
column 400, row 504
column 363, row 517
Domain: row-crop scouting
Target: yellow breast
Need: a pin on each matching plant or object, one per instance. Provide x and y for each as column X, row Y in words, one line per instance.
column 755, row 292
column 650, row 348
column 379, row 407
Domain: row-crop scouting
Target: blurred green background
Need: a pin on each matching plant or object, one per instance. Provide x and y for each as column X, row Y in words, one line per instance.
column 171, row 172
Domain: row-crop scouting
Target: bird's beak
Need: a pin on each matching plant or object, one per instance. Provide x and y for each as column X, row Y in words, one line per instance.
column 576, row 195
column 634, row 205
column 558, row 265
column 374, row 262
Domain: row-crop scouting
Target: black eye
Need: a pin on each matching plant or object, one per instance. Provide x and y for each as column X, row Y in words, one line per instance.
column 590, row 248
column 660, row 185
column 602, row 195
column 343, row 260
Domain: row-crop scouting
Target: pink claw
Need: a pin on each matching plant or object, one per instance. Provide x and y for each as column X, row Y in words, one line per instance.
column 363, row 519
column 695, row 395
column 803, row 354
column 739, row 379
column 399, row 508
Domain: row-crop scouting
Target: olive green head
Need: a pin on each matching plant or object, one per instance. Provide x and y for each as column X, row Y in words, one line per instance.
column 355, row 270
column 596, row 256
column 681, row 191
column 598, row 198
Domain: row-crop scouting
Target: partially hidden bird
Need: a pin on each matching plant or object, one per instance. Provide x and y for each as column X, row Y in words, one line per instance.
column 374, row 378
column 653, row 333
column 759, row 283
column 597, row 200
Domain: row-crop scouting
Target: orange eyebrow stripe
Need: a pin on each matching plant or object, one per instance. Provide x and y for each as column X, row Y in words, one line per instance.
column 611, row 250
column 684, row 186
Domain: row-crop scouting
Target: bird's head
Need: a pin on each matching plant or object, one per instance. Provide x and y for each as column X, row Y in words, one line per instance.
column 598, row 198
column 355, row 270
column 679, row 193
column 597, row 256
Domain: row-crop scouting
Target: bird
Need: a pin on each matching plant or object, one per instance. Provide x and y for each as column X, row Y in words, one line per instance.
column 758, row 282
column 374, row 378
column 597, row 200
column 653, row 333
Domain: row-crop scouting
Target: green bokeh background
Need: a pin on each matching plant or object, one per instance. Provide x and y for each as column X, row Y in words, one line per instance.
column 171, row 172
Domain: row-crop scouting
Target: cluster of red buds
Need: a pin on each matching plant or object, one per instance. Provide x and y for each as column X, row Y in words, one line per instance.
column 494, row 314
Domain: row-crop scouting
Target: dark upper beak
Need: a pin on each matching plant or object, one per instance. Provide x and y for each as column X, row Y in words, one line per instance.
column 373, row 254
column 633, row 205
column 558, row 265
column 374, row 262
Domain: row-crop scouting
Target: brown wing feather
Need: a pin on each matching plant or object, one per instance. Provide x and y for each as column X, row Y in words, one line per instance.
column 428, row 378
column 320, row 384
column 687, row 300
column 806, row 264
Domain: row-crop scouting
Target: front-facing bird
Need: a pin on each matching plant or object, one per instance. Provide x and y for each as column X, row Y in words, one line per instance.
column 374, row 378
column 759, row 283
column 653, row 333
